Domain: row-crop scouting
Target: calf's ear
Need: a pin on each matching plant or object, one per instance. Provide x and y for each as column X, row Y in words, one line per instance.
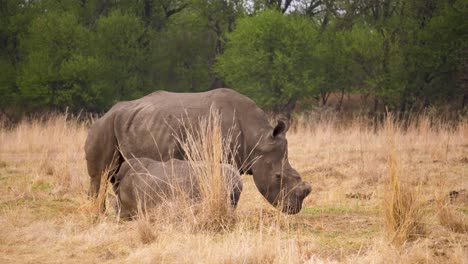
column 281, row 128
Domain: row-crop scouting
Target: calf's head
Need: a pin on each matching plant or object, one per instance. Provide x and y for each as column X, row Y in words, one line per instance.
column 274, row 177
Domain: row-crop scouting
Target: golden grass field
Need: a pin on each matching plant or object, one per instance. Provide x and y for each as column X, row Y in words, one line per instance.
column 381, row 194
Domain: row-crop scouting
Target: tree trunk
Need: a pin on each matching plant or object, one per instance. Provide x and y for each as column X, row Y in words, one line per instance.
column 148, row 11
column 376, row 105
column 340, row 103
column 288, row 109
column 464, row 101
column 217, row 83
column 324, row 97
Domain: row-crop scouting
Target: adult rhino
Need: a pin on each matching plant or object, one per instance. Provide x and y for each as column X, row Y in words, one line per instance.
column 144, row 183
column 145, row 128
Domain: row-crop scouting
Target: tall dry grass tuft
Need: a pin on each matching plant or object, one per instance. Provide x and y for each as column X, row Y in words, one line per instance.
column 403, row 211
column 205, row 143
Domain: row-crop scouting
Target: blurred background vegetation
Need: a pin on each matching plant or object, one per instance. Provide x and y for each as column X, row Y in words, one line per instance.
column 403, row 55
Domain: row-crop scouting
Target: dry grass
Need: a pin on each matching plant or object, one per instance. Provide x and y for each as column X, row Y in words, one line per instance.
column 45, row 215
column 447, row 214
column 204, row 142
column 451, row 219
column 403, row 211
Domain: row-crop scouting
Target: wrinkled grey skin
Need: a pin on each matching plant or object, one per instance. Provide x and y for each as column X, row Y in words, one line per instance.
column 146, row 128
column 143, row 183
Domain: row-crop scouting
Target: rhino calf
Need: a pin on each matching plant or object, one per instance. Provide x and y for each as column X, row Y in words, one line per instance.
column 143, row 183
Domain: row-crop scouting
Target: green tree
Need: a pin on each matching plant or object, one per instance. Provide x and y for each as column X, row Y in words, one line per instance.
column 90, row 54
column 56, row 73
column 181, row 54
column 436, row 55
column 270, row 58
column 15, row 19
column 366, row 75
column 334, row 63
column 119, row 45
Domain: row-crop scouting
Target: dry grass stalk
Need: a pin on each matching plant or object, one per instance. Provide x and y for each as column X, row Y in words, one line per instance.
column 98, row 203
column 403, row 212
column 451, row 219
column 206, row 143
column 145, row 230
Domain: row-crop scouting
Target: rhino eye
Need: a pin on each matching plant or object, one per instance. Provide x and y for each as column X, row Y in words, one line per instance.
column 278, row 176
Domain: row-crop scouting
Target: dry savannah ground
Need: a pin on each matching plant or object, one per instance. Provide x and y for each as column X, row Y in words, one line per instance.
column 381, row 194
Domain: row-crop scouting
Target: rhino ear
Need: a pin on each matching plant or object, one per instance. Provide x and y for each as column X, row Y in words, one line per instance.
column 288, row 109
column 281, row 128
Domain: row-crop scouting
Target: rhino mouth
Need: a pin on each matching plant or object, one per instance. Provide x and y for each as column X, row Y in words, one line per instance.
column 293, row 205
column 288, row 206
column 289, row 209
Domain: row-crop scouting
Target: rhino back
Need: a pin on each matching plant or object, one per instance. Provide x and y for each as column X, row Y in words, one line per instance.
column 148, row 127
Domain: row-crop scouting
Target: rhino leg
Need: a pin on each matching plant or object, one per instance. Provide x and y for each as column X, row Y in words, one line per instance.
column 102, row 155
column 94, row 184
column 235, row 194
column 102, row 161
column 108, row 167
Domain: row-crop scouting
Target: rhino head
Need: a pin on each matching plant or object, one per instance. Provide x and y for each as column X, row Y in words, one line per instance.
column 277, row 181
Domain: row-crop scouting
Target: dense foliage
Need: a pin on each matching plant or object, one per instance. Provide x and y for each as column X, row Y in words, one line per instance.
column 89, row 54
